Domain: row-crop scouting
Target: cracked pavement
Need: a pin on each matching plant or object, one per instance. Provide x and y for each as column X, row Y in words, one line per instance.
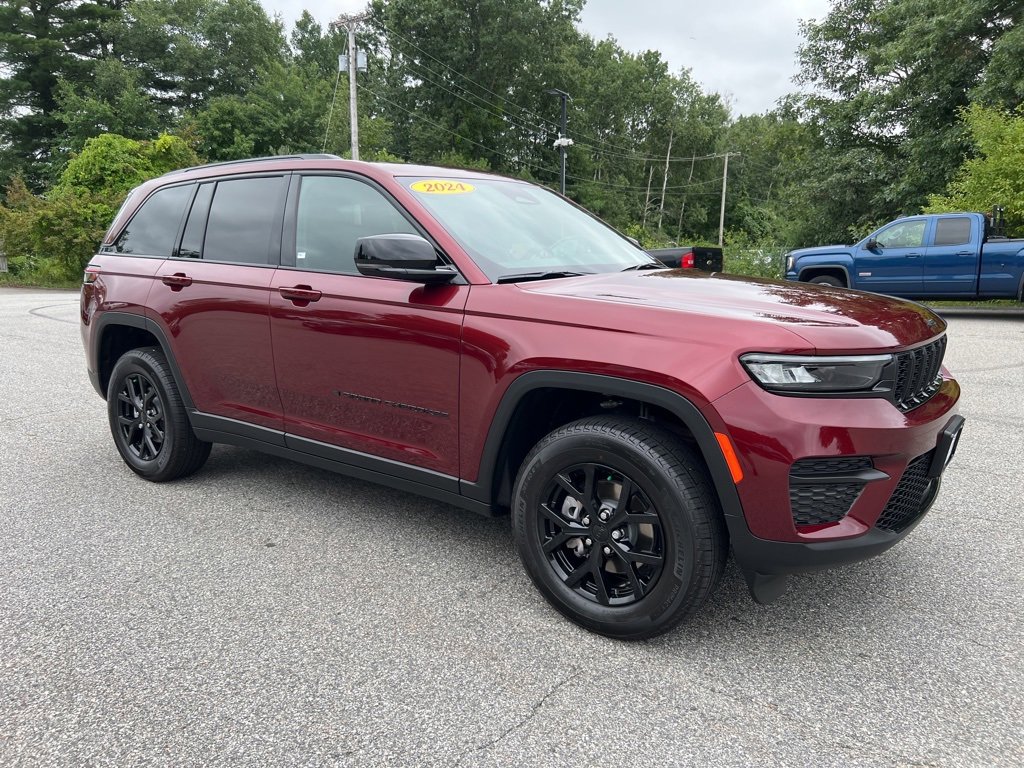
column 267, row 613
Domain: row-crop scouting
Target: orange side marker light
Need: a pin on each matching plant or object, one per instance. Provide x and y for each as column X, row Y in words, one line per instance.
column 730, row 457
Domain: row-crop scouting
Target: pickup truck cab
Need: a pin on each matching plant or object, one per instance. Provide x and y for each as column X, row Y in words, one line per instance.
column 937, row 256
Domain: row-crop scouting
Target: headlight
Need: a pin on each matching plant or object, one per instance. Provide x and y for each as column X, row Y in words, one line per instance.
column 790, row 260
column 823, row 375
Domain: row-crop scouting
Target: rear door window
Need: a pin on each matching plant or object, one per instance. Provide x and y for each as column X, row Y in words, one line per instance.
column 195, row 226
column 955, row 230
column 244, row 219
column 154, row 227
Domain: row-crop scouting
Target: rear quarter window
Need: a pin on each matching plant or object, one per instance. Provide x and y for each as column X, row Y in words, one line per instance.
column 154, row 227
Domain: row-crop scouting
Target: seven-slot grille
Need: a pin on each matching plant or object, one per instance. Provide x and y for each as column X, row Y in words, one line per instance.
column 917, row 374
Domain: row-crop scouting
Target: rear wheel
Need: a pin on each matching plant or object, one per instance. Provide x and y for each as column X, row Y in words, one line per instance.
column 616, row 524
column 835, row 282
column 148, row 419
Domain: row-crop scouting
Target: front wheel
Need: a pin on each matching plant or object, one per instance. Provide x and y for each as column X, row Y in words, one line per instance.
column 835, row 282
column 617, row 526
column 148, row 420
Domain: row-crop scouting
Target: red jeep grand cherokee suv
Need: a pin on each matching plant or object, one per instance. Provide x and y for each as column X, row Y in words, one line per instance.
column 483, row 341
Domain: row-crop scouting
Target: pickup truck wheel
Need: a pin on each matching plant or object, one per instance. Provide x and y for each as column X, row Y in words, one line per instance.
column 835, row 282
column 616, row 525
column 148, row 419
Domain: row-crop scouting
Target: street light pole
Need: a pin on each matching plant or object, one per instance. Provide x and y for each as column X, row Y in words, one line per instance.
column 563, row 142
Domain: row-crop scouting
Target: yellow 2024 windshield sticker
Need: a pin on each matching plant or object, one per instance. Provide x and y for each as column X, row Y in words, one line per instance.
column 442, row 187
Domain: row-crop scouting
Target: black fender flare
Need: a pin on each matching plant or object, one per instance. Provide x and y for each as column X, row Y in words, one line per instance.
column 482, row 490
column 133, row 320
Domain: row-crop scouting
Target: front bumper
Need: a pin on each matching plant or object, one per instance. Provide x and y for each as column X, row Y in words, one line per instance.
column 908, row 451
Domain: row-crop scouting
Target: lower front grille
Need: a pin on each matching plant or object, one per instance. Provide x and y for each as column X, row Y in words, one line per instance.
column 823, row 489
column 822, row 504
column 908, row 501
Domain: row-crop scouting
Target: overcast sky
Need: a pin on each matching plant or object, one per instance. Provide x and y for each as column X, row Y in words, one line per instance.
column 742, row 49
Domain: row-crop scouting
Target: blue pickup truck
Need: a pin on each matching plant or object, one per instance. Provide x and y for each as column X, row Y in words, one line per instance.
column 937, row 256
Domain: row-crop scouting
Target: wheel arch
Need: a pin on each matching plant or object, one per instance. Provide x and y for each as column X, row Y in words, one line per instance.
column 119, row 332
column 507, row 438
column 812, row 271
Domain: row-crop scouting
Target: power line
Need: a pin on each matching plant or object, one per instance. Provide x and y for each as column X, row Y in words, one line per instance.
column 418, row 116
column 615, row 150
column 417, row 73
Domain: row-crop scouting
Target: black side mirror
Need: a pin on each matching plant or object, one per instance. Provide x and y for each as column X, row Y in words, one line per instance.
column 872, row 244
column 401, row 257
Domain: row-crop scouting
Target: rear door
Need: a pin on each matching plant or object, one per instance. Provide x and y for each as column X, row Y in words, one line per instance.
column 950, row 265
column 212, row 298
column 894, row 265
column 365, row 364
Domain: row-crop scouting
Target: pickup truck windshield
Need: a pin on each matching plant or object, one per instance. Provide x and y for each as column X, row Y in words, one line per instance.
column 513, row 228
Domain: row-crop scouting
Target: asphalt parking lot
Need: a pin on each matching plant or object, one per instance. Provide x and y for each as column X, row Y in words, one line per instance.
column 265, row 613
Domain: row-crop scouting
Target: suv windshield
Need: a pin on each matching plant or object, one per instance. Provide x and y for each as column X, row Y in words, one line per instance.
column 513, row 228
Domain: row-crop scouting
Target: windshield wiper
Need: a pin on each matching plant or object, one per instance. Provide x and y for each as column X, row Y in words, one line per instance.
column 645, row 265
column 525, row 276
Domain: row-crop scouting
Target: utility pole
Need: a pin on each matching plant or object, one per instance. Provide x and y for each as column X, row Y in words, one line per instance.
column 664, row 179
column 682, row 208
column 350, row 21
column 647, row 198
column 563, row 142
column 721, row 215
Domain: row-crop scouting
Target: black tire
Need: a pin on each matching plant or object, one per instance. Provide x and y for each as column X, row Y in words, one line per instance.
column 666, row 487
column 148, row 420
column 835, row 282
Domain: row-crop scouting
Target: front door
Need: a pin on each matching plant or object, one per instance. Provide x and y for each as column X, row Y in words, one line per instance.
column 893, row 264
column 364, row 364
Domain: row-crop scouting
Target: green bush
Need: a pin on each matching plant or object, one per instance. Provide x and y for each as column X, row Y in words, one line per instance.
column 49, row 239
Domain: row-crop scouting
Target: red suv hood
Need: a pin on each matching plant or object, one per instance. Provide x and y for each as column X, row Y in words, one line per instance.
column 830, row 319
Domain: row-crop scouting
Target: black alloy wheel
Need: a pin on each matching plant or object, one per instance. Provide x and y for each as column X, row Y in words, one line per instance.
column 602, row 534
column 617, row 525
column 141, row 417
column 148, row 419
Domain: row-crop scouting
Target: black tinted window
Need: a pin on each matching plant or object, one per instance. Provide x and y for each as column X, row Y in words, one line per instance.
column 334, row 212
column 192, row 239
column 154, row 226
column 953, row 231
column 243, row 218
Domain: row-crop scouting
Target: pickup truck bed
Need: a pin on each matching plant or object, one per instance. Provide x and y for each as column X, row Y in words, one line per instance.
column 701, row 257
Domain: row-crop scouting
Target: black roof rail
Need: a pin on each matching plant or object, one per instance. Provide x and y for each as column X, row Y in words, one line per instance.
column 303, row 156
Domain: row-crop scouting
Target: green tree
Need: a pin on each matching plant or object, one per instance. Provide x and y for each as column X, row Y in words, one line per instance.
column 285, row 112
column 995, row 175
column 41, row 43
column 113, row 102
column 191, row 51
column 891, row 77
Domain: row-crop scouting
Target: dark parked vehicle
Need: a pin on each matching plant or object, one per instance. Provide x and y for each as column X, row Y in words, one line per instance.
column 703, row 257
column 484, row 342
column 940, row 256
